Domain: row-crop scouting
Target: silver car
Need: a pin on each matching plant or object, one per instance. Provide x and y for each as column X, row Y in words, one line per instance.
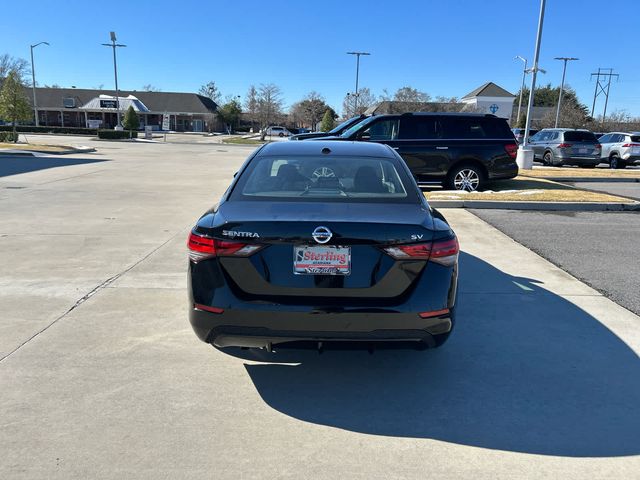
column 620, row 149
column 564, row 146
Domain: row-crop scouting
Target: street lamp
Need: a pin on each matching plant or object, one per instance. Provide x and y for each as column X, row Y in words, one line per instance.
column 357, row 54
column 33, row 82
column 525, row 154
column 113, row 45
column 524, row 73
column 564, row 71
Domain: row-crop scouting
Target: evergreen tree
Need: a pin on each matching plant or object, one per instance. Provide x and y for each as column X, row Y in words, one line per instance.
column 327, row 121
column 131, row 121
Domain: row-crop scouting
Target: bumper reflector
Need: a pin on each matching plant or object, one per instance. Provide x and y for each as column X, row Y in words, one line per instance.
column 434, row 313
column 207, row 308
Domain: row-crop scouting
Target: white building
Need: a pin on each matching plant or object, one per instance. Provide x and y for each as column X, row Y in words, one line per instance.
column 491, row 98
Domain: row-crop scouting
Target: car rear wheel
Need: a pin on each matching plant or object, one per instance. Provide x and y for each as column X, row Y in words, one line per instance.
column 466, row 177
column 547, row 159
column 614, row 162
column 281, row 134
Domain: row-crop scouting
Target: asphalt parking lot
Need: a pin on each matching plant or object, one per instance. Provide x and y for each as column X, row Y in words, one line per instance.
column 624, row 189
column 599, row 248
column 102, row 377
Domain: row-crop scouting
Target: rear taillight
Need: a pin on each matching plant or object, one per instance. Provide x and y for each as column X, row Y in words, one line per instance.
column 565, row 145
column 444, row 252
column 597, row 146
column 511, row 149
column 627, row 145
column 201, row 247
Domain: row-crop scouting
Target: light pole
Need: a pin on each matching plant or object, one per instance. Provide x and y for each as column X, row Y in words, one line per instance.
column 33, row 82
column 114, row 45
column 525, row 154
column 564, row 71
column 357, row 54
column 524, row 73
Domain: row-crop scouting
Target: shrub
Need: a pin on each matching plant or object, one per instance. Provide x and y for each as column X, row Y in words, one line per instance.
column 8, row 137
column 116, row 134
column 55, row 130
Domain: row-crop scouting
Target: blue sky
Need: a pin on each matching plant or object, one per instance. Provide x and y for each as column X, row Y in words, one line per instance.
column 445, row 47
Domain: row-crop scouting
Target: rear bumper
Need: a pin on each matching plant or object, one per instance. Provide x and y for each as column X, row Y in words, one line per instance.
column 573, row 160
column 258, row 328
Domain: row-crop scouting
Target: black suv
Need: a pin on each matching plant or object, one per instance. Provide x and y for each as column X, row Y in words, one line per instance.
column 461, row 150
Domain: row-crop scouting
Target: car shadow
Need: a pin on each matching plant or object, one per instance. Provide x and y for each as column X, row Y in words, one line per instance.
column 524, row 371
column 15, row 165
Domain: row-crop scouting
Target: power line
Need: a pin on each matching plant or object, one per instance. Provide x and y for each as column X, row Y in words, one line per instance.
column 602, row 88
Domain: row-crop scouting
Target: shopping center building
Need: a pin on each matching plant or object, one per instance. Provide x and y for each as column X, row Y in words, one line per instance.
column 77, row 107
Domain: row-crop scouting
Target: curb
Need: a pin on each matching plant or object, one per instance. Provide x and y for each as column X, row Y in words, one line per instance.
column 589, row 179
column 45, row 152
column 550, row 206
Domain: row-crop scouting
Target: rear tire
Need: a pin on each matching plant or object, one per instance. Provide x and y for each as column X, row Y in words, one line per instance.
column 466, row 177
column 548, row 159
column 614, row 162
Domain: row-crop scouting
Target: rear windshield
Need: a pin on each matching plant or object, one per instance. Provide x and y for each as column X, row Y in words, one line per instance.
column 635, row 138
column 325, row 178
column 578, row 136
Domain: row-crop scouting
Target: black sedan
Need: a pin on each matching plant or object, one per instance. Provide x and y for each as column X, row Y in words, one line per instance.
column 319, row 242
column 339, row 130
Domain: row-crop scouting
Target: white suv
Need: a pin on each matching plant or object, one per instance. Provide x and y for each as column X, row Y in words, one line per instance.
column 620, row 149
column 277, row 131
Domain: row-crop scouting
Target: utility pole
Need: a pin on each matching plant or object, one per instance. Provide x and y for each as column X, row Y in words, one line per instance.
column 524, row 158
column 600, row 89
column 564, row 71
column 114, row 45
column 357, row 54
column 524, row 73
column 33, row 82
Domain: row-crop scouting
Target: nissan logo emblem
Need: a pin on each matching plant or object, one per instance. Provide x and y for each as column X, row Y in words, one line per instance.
column 322, row 234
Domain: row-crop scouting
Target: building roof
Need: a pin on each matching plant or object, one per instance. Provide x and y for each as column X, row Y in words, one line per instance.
column 160, row 102
column 489, row 89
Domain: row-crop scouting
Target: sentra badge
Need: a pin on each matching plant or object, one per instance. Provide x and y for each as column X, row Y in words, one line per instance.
column 234, row 234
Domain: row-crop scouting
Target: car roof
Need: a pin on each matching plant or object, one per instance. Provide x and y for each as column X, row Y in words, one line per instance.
column 439, row 114
column 567, row 129
column 337, row 147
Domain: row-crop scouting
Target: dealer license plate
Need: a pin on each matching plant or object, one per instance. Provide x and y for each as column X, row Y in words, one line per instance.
column 320, row 260
column 583, row 150
column 635, row 150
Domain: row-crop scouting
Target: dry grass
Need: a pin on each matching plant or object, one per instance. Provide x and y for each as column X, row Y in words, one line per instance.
column 577, row 172
column 35, row 147
column 524, row 189
column 242, row 141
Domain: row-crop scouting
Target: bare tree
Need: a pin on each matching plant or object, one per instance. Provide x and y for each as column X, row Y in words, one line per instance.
column 211, row 91
column 269, row 103
column 150, row 88
column 18, row 65
column 251, row 105
column 410, row 95
column 353, row 105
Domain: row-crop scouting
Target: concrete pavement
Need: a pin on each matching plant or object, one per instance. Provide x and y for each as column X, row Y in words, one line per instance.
column 101, row 376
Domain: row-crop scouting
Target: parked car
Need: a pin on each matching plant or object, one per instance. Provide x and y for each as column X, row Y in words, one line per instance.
column 336, row 131
column 322, row 241
column 460, row 150
column 519, row 133
column 620, row 149
column 564, row 146
column 277, row 131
